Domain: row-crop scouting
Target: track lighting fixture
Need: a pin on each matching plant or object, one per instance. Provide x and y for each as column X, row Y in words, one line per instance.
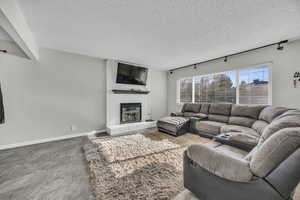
column 279, row 44
column 3, row 50
column 171, row 72
column 225, row 59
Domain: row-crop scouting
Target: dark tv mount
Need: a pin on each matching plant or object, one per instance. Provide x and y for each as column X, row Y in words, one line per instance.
column 131, row 91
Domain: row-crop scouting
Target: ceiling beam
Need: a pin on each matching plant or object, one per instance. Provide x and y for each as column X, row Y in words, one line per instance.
column 13, row 22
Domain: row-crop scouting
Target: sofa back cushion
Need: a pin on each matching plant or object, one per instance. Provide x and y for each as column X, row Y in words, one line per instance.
column 259, row 126
column 220, row 109
column 250, row 111
column 204, row 108
column 191, row 107
column 278, row 141
column 288, row 119
column 218, row 118
column 271, row 112
column 219, row 112
column 244, row 115
column 278, row 147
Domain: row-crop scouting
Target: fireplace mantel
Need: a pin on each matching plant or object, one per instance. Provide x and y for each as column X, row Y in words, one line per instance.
column 132, row 91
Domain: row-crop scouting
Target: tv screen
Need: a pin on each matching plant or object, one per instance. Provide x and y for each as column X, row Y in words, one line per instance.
column 130, row 74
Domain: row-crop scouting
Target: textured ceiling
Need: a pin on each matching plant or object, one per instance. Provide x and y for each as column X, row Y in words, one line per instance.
column 161, row 34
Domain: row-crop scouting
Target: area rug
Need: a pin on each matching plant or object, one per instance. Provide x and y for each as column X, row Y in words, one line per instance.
column 134, row 167
column 130, row 146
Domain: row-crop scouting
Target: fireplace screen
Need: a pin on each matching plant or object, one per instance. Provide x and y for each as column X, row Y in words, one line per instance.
column 130, row 112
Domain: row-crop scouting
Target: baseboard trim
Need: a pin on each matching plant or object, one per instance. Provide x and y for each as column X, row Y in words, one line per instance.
column 40, row 141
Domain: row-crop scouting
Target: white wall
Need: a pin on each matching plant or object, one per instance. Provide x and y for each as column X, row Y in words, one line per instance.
column 43, row 99
column 284, row 65
column 158, row 94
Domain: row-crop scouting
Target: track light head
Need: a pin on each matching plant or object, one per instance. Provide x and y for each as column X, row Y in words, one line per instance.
column 279, row 47
column 225, row 59
column 171, row 72
column 3, row 50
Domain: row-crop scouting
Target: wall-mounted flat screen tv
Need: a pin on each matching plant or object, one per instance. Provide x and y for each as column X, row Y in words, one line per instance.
column 130, row 74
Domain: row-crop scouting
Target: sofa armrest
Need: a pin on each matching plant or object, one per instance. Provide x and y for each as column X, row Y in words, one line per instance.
column 200, row 116
column 243, row 138
column 222, row 164
column 197, row 115
column 237, row 139
column 176, row 114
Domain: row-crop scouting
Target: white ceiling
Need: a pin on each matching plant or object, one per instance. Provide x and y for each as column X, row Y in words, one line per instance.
column 161, row 34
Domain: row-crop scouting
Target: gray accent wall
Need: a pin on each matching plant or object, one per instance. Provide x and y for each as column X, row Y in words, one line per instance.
column 283, row 66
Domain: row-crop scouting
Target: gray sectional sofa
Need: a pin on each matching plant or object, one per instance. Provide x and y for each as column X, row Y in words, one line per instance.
column 220, row 170
column 240, row 124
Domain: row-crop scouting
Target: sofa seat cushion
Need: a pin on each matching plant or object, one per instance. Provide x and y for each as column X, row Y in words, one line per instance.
column 223, row 160
column 259, row 126
column 233, row 151
column 241, row 121
column 172, row 123
column 198, row 115
column 211, row 127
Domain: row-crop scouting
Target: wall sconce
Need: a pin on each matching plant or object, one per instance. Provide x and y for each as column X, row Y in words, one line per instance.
column 296, row 79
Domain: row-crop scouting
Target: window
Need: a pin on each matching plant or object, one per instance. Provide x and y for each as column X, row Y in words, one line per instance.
column 186, row 90
column 254, row 85
column 216, row 88
column 245, row 86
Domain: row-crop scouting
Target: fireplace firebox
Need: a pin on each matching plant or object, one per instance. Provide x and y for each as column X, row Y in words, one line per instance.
column 130, row 112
